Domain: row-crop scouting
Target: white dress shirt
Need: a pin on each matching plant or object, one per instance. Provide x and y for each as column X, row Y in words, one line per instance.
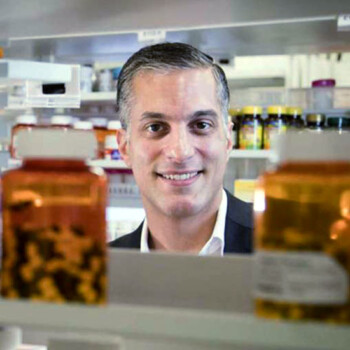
column 215, row 244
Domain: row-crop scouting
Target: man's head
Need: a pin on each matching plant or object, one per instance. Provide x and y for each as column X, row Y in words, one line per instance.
column 173, row 100
column 165, row 58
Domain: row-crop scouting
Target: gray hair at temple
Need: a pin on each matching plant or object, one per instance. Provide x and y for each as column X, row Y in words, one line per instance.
column 167, row 57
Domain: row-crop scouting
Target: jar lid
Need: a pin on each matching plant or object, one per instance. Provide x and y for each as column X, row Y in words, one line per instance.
column 233, row 112
column 323, row 83
column 315, row 118
column 99, row 122
column 61, row 120
column 254, row 110
column 56, row 144
column 339, row 122
column 114, row 125
column 83, row 125
column 294, row 111
column 28, row 119
column 276, row 110
column 306, row 146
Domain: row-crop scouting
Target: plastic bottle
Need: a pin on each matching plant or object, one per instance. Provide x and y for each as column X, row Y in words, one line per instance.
column 276, row 123
column 25, row 121
column 302, row 230
column 83, row 125
column 61, row 122
column 100, row 129
column 251, row 128
column 323, row 94
column 54, row 220
column 111, row 148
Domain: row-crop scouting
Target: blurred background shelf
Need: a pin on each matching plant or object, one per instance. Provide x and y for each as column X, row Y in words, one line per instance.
column 98, row 96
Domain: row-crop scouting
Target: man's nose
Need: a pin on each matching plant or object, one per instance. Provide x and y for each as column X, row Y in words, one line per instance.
column 179, row 145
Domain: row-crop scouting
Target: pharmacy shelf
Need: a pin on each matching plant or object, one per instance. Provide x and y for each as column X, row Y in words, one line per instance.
column 98, row 96
column 103, row 163
column 220, row 330
column 108, row 164
column 250, row 154
column 16, row 70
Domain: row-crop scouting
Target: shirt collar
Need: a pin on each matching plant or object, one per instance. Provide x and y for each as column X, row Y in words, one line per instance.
column 215, row 244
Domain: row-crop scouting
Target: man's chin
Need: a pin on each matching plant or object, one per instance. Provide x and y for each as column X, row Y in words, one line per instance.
column 181, row 209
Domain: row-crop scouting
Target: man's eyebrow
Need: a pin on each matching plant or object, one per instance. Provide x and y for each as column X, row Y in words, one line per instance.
column 196, row 114
column 203, row 113
column 152, row 115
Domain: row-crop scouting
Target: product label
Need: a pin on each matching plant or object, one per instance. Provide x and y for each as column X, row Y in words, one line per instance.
column 301, row 277
column 273, row 128
column 250, row 135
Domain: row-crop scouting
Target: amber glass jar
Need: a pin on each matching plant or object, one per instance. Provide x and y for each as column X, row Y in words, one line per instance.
column 251, row 128
column 294, row 118
column 25, row 121
column 54, row 220
column 302, row 230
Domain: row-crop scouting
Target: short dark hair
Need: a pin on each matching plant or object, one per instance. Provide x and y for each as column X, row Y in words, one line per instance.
column 163, row 58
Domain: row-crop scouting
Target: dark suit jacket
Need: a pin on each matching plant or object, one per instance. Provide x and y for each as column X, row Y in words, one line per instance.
column 238, row 229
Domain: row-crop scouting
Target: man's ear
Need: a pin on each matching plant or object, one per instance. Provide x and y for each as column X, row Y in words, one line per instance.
column 123, row 146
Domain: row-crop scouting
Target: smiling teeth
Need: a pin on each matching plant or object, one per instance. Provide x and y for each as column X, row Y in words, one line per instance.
column 180, row 177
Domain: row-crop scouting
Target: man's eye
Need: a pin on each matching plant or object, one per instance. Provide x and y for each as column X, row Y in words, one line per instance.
column 155, row 128
column 202, row 125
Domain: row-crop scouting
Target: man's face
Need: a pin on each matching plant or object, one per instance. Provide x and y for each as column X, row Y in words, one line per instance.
column 178, row 144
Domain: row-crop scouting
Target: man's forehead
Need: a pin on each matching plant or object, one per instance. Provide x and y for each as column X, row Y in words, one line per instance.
column 150, row 74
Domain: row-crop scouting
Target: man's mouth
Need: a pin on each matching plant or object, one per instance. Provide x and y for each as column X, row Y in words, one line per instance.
column 180, row 176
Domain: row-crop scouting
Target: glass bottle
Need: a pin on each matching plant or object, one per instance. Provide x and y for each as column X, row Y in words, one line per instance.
column 236, row 118
column 54, row 220
column 341, row 124
column 315, row 122
column 302, row 230
column 276, row 123
column 294, row 118
column 251, row 128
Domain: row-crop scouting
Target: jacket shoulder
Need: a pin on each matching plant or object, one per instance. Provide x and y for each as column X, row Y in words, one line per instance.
column 239, row 211
column 130, row 240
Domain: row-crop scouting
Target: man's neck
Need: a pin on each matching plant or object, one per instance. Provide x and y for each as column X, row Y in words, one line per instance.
column 186, row 234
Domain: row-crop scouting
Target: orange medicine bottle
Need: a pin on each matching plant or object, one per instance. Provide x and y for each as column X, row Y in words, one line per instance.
column 54, row 220
column 302, row 230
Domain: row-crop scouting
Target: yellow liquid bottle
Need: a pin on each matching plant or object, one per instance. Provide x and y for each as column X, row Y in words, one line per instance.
column 302, row 230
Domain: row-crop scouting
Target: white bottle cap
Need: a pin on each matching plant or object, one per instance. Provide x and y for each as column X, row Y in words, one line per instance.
column 56, row 143
column 83, row 125
column 61, row 120
column 114, row 125
column 111, row 142
column 26, row 119
column 99, row 122
column 306, row 146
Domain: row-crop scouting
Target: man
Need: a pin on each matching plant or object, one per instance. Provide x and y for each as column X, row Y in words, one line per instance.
column 173, row 101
